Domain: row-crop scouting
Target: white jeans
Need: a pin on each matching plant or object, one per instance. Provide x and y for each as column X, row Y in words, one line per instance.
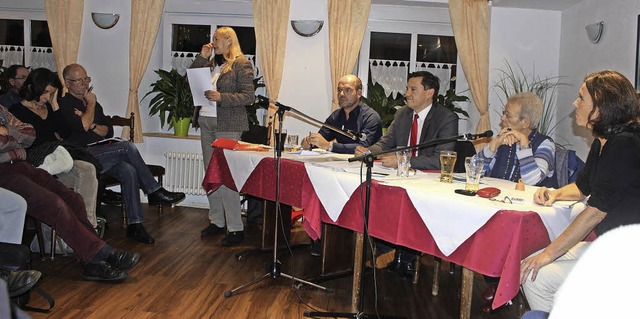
column 540, row 293
column 82, row 179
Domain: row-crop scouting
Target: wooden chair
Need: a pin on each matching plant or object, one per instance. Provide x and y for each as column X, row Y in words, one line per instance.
column 105, row 181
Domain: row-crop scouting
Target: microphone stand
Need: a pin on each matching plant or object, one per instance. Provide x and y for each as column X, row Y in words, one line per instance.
column 368, row 159
column 275, row 272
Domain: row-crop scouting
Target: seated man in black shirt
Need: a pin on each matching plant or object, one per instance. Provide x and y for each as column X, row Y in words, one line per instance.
column 121, row 160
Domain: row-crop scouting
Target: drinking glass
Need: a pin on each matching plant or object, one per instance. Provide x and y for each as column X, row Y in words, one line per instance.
column 447, row 162
column 281, row 138
column 473, row 167
column 404, row 161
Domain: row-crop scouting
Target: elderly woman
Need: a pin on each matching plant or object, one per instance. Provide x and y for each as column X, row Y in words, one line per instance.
column 608, row 105
column 520, row 151
column 227, row 117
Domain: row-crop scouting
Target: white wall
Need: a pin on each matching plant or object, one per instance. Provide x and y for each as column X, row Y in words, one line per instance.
column 579, row 57
column 526, row 37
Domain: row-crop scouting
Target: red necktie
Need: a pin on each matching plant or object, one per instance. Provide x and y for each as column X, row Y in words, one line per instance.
column 414, row 134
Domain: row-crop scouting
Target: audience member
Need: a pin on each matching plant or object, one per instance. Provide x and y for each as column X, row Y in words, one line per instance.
column 12, row 213
column 353, row 115
column 39, row 107
column 608, row 105
column 121, row 160
column 7, row 308
column 16, row 74
column 520, row 151
column 420, row 120
column 227, row 117
column 56, row 205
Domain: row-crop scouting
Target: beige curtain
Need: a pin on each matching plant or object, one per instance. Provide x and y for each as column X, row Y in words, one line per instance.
column 145, row 21
column 347, row 23
column 64, row 18
column 270, row 20
column 470, row 22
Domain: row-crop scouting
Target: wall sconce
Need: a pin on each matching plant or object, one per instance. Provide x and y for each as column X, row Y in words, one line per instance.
column 105, row 20
column 594, row 31
column 307, row 28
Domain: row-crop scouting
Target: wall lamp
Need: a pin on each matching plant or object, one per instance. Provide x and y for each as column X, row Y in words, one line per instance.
column 594, row 31
column 307, row 28
column 105, row 20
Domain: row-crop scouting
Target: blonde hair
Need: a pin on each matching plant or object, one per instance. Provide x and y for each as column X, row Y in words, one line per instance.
column 234, row 48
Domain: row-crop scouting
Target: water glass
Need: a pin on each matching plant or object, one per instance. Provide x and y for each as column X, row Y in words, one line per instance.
column 473, row 166
column 447, row 162
column 404, row 162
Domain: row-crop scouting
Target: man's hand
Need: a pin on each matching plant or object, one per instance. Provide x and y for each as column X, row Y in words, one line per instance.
column 545, row 196
column 389, row 160
column 90, row 98
column 305, row 143
column 318, row 140
column 360, row 150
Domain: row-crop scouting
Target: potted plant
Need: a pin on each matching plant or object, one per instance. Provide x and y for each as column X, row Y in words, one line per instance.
column 386, row 106
column 172, row 101
column 450, row 98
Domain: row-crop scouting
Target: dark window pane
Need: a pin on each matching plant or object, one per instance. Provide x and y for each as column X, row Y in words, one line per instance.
column 247, row 39
column 11, row 32
column 40, row 34
column 189, row 38
column 433, row 48
column 390, row 46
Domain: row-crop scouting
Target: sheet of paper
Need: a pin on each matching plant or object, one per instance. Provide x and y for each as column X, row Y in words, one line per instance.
column 199, row 82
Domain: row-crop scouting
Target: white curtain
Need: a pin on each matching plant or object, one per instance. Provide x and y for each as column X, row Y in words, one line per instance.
column 392, row 75
column 11, row 54
column 441, row 70
column 42, row 58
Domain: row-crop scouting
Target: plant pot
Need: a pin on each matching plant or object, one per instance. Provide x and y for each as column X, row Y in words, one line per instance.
column 181, row 126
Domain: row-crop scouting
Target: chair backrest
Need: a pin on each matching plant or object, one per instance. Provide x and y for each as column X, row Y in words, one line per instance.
column 124, row 121
column 568, row 165
column 463, row 150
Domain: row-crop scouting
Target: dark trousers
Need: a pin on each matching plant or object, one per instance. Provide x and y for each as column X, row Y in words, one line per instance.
column 54, row 204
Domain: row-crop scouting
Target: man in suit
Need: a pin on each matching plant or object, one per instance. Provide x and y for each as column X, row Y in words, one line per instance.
column 419, row 121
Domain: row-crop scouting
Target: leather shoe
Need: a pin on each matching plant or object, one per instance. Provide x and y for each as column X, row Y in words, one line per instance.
column 122, row 259
column 20, row 281
column 137, row 232
column 489, row 293
column 406, row 270
column 163, row 196
column 102, row 271
column 212, row 230
column 233, row 238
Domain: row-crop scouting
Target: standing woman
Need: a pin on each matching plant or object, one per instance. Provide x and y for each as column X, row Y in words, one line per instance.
column 232, row 91
column 608, row 105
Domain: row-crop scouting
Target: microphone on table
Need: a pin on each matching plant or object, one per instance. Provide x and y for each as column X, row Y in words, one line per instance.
column 359, row 136
column 471, row 137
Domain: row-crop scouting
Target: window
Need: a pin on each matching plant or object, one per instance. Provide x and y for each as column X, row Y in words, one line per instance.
column 13, row 36
column 393, row 55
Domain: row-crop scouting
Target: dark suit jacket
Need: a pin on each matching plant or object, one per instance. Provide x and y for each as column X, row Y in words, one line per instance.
column 440, row 123
column 236, row 92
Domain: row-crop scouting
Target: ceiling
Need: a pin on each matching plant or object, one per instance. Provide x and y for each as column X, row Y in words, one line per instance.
column 554, row 5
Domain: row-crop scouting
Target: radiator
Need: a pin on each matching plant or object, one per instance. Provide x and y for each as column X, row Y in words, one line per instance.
column 185, row 173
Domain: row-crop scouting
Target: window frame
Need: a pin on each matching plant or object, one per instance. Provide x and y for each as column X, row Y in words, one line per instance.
column 27, row 17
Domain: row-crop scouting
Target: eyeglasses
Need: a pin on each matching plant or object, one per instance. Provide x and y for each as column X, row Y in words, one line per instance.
column 506, row 114
column 20, row 78
column 86, row 80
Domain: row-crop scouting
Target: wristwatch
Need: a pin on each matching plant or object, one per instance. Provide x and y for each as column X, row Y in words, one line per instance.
column 93, row 127
column 330, row 147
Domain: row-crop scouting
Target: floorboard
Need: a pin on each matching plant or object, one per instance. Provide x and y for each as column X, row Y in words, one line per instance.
column 185, row 276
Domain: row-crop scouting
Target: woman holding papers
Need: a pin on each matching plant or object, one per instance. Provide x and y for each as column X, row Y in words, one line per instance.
column 608, row 105
column 225, row 116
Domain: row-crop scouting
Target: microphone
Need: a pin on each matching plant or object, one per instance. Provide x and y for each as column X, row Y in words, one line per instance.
column 358, row 136
column 262, row 102
column 472, row 137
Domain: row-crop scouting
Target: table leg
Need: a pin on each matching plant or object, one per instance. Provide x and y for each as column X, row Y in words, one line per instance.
column 357, row 272
column 466, row 293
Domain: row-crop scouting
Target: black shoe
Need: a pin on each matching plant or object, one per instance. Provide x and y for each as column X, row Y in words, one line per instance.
column 102, row 271
column 233, row 238
column 20, row 281
column 212, row 230
column 122, row 259
column 316, row 248
column 406, row 270
column 394, row 266
column 137, row 232
column 163, row 196
column 111, row 198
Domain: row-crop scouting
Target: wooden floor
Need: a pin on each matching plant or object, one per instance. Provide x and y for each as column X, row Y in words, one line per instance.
column 185, row 276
